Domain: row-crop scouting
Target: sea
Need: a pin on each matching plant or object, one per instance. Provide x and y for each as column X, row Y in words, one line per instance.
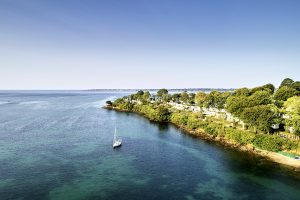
column 57, row 145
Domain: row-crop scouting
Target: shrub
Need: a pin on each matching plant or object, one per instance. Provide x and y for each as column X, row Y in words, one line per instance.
column 179, row 118
column 269, row 143
column 162, row 114
column 147, row 110
column 193, row 121
column 239, row 136
column 290, row 145
column 126, row 106
column 118, row 101
column 213, row 129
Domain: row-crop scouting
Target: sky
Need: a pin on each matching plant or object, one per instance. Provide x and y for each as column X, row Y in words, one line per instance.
column 60, row 44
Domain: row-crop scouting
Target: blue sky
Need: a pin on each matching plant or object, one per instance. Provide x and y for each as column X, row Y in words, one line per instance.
column 61, row 44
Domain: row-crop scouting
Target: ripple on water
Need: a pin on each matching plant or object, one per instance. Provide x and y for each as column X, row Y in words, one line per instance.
column 102, row 180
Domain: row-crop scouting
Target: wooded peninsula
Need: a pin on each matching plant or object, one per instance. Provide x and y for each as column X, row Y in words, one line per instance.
column 263, row 120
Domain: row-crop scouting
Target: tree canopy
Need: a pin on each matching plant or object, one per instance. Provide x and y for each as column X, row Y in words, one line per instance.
column 200, row 98
column 260, row 117
column 268, row 87
column 292, row 109
column 285, row 92
column 162, row 92
column 286, row 82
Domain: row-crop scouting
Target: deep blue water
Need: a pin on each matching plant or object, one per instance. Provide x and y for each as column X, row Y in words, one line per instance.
column 58, row 145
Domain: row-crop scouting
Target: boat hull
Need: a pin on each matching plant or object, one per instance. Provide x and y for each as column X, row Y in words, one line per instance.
column 117, row 144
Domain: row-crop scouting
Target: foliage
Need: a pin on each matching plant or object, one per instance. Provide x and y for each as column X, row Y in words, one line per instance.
column 260, row 117
column 200, row 98
column 194, row 121
column 185, row 118
column 148, row 110
column 294, row 122
column 118, row 101
column 292, row 105
column 126, row 106
column 239, row 136
column 179, row 118
column 216, row 99
column 162, row 92
column 286, row 82
column 242, row 92
column 285, row 92
column 221, row 100
column 213, row 129
column 292, row 109
column 140, row 93
column 184, row 97
column 192, row 98
column 175, row 97
column 236, row 104
column 163, row 114
column 296, row 85
column 268, row 87
column 268, row 142
column 146, row 97
column 163, row 95
column 262, row 97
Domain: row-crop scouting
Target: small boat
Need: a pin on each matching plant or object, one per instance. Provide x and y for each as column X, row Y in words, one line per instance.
column 117, row 142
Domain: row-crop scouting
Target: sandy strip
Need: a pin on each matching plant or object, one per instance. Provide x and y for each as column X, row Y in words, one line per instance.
column 279, row 158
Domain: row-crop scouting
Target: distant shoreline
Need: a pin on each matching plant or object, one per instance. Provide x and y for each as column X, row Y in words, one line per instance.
column 115, row 90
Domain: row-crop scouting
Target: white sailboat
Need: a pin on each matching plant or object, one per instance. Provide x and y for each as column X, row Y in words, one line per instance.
column 117, row 141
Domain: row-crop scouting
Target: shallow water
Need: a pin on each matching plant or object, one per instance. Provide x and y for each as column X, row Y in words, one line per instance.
column 58, row 145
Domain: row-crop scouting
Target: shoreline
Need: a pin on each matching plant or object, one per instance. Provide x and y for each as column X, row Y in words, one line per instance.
column 271, row 156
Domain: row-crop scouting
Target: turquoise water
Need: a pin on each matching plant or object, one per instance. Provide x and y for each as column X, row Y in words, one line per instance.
column 58, row 145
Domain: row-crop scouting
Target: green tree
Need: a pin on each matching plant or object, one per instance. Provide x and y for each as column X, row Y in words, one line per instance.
column 179, row 118
column 175, row 97
column 236, row 104
column 270, row 86
column 242, row 92
column 213, row 99
column 163, row 114
column 126, row 106
column 146, row 97
column 296, row 85
column 268, row 142
column 184, row 97
column 118, row 101
column 200, row 98
column 292, row 105
column 286, row 82
column 285, row 92
column 140, row 93
column 220, row 99
column 192, row 98
column 260, row 117
column 262, row 97
column 292, row 109
column 162, row 92
column 267, row 87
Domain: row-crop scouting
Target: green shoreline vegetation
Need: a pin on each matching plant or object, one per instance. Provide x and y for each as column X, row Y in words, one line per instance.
column 260, row 118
